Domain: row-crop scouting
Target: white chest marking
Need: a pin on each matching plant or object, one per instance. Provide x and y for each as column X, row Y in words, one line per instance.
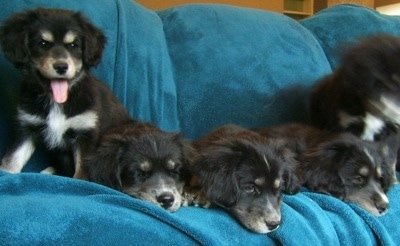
column 373, row 125
column 57, row 123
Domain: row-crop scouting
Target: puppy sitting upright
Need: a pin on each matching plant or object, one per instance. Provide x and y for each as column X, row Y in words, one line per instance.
column 60, row 104
column 142, row 161
column 242, row 173
column 362, row 96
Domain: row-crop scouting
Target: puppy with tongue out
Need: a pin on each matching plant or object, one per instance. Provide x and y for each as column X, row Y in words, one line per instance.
column 61, row 104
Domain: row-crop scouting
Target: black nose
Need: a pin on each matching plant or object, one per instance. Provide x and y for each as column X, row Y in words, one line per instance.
column 166, row 199
column 382, row 207
column 272, row 225
column 60, row 67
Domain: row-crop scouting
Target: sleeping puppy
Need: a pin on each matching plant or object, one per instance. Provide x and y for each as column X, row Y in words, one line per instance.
column 350, row 169
column 61, row 105
column 362, row 95
column 339, row 164
column 142, row 161
column 244, row 175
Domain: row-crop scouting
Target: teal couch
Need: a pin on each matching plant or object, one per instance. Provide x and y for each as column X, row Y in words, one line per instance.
column 192, row 68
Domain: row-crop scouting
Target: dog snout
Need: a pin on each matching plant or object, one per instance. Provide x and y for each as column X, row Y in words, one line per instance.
column 60, row 67
column 272, row 225
column 166, row 199
column 382, row 206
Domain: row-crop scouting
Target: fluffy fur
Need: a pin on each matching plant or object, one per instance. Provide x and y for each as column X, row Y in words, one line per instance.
column 362, row 95
column 350, row 169
column 144, row 162
column 339, row 164
column 61, row 105
column 242, row 173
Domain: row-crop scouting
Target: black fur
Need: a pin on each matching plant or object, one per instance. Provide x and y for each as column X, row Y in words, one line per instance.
column 350, row 169
column 242, row 173
column 361, row 96
column 54, row 45
column 142, row 161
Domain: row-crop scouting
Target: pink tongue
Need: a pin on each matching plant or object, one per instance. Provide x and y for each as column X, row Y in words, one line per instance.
column 60, row 90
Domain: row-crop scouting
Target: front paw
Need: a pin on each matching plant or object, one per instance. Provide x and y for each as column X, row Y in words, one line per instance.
column 195, row 196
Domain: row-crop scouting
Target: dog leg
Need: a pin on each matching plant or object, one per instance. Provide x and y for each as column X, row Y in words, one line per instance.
column 79, row 172
column 15, row 159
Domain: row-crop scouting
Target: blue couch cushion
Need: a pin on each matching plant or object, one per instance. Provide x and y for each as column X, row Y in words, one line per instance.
column 238, row 65
column 337, row 27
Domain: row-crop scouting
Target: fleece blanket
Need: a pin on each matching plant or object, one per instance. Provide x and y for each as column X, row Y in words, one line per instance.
column 192, row 68
column 48, row 210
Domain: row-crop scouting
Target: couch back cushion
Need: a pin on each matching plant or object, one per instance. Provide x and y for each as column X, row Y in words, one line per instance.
column 238, row 65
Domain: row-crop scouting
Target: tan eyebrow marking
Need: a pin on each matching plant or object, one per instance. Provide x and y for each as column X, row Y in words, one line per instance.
column 363, row 171
column 171, row 164
column 145, row 166
column 47, row 36
column 69, row 37
column 259, row 181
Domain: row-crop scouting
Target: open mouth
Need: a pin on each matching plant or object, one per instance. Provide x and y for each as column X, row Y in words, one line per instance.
column 59, row 89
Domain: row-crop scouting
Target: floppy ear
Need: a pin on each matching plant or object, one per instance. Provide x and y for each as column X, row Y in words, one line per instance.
column 321, row 167
column 14, row 38
column 188, row 156
column 291, row 172
column 104, row 165
column 93, row 42
column 215, row 167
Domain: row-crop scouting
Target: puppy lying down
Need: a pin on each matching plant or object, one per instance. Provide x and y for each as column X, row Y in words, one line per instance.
column 341, row 165
column 142, row 161
column 241, row 172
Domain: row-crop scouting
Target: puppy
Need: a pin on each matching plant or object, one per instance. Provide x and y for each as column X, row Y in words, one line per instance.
column 244, row 175
column 362, row 95
column 142, row 161
column 61, row 105
column 339, row 164
column 350, row 169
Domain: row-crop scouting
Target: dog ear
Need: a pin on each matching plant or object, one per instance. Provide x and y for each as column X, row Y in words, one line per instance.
column 104, row 165
column 93, row 43
column 188, row 155
column 292, row 178
column 216, row 167
column 14, row 36
column 321, row 168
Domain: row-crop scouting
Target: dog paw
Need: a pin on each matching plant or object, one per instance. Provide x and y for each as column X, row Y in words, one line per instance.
column 195, row 197
column 49, row 170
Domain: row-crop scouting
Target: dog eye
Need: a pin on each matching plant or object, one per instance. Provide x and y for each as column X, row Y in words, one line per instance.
column 143, row 175
column 175, row 172
column 43, row 44
column 73, row 45
column 359, row 180
column 252, row 189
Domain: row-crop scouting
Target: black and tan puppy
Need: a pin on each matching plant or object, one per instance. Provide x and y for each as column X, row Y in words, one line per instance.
column 362, row 95
column 339, row 164
column 142, row 161
column 350, row 169
column 240, row 172
column 61, row 105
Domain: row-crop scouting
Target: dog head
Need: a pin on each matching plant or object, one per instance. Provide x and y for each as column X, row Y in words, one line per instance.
column 245, row 178
column 151, row 166
column 349, row 169
column 371, row 69
column 54, row 45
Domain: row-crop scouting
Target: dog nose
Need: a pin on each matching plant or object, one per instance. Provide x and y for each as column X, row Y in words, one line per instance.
column 382, row 207
column 60, row 67
column 272, row 225
column 166, row 199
